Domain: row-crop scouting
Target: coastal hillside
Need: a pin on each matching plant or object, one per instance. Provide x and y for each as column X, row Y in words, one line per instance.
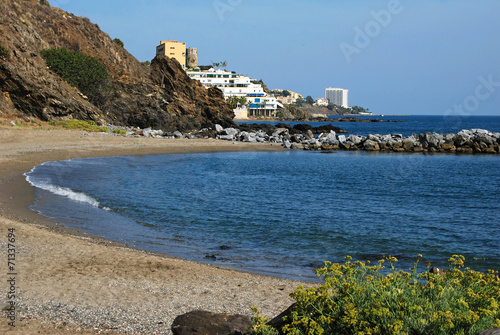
column 34, row 37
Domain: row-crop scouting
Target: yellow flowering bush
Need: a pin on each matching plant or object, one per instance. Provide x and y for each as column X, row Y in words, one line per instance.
column 356, row 298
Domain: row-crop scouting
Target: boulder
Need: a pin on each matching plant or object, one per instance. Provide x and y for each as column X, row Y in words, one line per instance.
column 230, row 131
column 208, row 323
column 342, row 138
column 480, row 131
column 355, row 139
column 218, row 128
column 494, row 331
column 225, row 137
column 331, row 139
column 371, row 145
column 177, row 134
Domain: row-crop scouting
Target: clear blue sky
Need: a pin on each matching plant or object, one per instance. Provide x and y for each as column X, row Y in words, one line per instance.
column 407, row 56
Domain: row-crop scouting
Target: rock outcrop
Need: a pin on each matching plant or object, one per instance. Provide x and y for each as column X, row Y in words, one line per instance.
column 158, row 96
column 208, row 323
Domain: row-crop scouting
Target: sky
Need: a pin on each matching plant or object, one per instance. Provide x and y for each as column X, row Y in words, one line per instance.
column 418, row 57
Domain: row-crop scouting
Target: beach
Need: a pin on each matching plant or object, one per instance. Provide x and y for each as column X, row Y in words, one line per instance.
column 69, row 282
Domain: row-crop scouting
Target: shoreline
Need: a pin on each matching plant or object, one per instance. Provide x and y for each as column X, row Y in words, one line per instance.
column 62, row 267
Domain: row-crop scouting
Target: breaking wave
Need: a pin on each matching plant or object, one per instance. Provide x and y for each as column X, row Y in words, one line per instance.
column 62, row 191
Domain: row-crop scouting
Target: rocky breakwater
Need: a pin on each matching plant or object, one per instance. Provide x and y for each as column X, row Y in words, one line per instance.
column 465, row 141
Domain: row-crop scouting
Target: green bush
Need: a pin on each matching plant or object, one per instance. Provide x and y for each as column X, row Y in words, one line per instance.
column 119, row 42
column 4, row 53
column 80, row 70
column 357, row 299
column 119, row 131
column 89, row 126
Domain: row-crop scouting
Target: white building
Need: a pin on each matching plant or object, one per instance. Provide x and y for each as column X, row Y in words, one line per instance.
column 322, row 102
column 337, row 96
column 234, row 85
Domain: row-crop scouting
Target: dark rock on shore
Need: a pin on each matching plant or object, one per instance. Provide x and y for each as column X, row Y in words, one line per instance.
column 495, row 331
column 303, row 128
column 208, row 323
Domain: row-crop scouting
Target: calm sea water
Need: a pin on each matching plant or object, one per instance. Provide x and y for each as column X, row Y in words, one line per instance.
column 417, row 124
column 284, row 213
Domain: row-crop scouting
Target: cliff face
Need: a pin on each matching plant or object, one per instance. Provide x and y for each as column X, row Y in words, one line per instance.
column 158, row 96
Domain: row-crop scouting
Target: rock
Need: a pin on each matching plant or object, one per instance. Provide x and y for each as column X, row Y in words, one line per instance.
column 280, row 131
column 448, row 146
column 230, row 131
column 309, row 134
column 287, row 144
column 494, row 331
column 355, row 139
column 331, row 139
column 12, row 123
column 208, row 323
column 480, row 131
column 371, row 145
column 277, row 322
column 409, row 143
column 218, row 128
column 225, row 137
column 297, row 146
column 248, row 137
column 178, row 134
column 342, row 138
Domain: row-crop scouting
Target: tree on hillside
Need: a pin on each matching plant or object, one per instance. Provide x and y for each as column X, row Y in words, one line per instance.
column 219, row 65
column 261, row 82
column 309, row 100
column 234, row 101
column 286, row 93
column 299, row 102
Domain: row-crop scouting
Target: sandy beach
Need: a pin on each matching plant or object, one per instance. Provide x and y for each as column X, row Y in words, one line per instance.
column 72, row 283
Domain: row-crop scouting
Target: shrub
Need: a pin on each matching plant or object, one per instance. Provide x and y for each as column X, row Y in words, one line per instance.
column 119, row 42
column 119, row 131
column 357, row 299
column 4, row 53
column 89, row 126
column 80, row 70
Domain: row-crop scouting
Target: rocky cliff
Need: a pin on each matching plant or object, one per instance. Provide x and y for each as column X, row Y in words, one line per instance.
column 160, row 96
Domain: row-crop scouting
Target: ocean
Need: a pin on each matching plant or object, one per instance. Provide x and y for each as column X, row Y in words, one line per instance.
column 285, row 213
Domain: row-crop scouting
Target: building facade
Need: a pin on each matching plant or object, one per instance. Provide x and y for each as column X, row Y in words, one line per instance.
column 259, row 103
column 322, row 102
column 173, row 49
column 191, row 58
column 337, row 96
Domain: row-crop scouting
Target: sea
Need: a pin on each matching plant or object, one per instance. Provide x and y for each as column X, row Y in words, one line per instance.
column 285, row 213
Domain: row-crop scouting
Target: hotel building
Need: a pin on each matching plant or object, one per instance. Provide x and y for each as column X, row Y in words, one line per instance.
column 173, row 49
column 259, row 103
column 337, row 96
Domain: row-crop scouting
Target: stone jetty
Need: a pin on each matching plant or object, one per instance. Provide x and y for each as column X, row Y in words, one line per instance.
column 328, row 137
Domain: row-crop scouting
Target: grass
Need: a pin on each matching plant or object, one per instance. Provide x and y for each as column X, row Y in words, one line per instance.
column 89, row 126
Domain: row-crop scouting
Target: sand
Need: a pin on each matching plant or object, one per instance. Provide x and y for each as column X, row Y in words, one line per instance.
column 70, row 283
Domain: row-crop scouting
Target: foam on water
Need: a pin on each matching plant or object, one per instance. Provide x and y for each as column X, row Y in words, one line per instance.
column 45, row 184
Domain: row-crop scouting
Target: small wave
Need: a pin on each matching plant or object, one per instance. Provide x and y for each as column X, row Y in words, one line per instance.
column 64, row 191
